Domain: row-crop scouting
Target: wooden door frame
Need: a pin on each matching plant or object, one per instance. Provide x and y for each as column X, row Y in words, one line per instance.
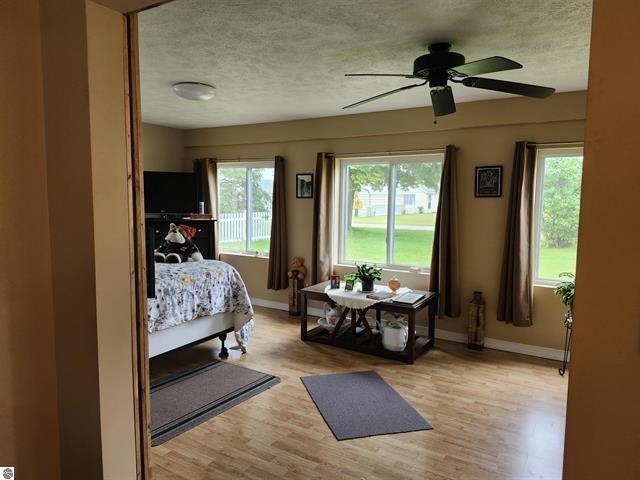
column 140, row 346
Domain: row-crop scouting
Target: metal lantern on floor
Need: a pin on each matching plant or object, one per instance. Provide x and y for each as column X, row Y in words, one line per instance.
column 476, row 322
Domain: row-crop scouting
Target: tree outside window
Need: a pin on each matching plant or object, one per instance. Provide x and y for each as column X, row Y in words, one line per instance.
column 558, row 184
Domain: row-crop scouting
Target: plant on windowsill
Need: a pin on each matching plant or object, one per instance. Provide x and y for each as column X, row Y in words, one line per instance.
column 565, row 290
column 367, row 274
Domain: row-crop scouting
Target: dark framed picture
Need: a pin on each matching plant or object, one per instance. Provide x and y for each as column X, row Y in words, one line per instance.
column 335, row 281
column 489, row 181
column 304, row 185
column 348, row 284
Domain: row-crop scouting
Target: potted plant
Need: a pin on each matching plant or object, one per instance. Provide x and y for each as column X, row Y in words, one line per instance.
column 367, row 274
column 565, row 290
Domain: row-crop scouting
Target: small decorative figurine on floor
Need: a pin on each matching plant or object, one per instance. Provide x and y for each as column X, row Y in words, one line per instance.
column 177, row 246
column 476, row 322
column 296, row 281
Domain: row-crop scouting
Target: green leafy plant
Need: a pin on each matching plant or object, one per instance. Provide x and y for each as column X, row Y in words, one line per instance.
column 366, row 272
column 566, row 289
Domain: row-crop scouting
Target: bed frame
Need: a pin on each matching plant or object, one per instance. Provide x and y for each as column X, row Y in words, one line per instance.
column 192, row 333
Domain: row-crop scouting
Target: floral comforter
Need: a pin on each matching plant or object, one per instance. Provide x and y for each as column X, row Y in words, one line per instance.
column 186, row 291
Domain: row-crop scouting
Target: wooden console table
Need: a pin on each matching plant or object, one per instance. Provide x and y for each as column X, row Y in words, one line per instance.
column 365, row 341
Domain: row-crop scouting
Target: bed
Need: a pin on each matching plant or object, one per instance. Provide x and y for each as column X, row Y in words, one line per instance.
column 197, row 301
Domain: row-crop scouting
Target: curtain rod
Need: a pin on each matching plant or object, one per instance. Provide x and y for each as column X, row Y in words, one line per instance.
column 555, row 144
column 247, row 159
column 389, row 152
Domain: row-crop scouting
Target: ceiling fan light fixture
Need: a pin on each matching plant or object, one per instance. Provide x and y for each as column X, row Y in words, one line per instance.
column 441, row 66
column 194, row 90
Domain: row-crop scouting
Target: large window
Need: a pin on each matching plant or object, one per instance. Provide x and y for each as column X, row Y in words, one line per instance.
column 245, row 193
column 387, row 209
column 557, row 208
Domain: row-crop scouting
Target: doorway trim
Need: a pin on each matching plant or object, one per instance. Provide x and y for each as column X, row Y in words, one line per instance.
column 138, row 276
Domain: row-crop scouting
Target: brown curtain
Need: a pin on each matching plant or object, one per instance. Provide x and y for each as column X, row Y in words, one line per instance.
column 322, row 208
column 206, row 171
column 516, row 285
column 444, row 277
column 278, row 257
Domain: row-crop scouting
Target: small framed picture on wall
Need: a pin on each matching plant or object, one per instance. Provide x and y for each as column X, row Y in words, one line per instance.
column 489, row 181
column 304, row 185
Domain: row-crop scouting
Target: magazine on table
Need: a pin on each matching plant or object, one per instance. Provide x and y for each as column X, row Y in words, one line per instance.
column 409, row 298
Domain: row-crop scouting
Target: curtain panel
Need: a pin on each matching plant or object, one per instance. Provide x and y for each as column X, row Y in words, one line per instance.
column 322, row 208
column 444, row 277
column 516, row 284
column 206, row 171
column 278, row 257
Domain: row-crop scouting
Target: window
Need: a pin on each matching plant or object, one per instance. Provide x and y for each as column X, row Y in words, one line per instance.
column 387, row 209
column 557, row 208
column 245, row 193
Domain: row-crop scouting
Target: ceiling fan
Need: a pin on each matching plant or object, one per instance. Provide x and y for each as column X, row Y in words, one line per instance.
column 440, row 66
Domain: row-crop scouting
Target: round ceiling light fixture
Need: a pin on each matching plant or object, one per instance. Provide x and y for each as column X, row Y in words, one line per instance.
column 194, row 90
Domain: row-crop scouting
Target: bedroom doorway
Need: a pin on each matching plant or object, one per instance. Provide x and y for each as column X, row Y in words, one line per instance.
column 171, row 242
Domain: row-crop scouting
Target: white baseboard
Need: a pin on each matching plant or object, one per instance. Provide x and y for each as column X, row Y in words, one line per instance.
column 494, row 343
column 261, row 302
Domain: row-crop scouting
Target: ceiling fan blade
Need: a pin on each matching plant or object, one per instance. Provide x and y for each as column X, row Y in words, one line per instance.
column 384, row 95
column 509, row 87
column 379, row 75
column 487, row 65
column 442, row 101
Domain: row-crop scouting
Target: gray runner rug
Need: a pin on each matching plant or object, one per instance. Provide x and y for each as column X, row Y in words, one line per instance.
column 362, row 404
column 182, row 401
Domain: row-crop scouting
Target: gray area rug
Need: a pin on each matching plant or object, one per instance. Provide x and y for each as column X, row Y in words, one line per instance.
column 182, row 401
column 362, row 404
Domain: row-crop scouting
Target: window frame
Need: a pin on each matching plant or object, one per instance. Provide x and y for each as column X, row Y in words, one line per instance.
column 541, row 156
column 248, row 166
column 391, row 159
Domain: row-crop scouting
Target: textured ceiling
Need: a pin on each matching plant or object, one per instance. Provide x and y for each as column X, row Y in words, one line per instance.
column 276, row 60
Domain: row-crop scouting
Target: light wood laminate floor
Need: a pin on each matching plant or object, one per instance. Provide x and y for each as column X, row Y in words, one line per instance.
column 496, row 415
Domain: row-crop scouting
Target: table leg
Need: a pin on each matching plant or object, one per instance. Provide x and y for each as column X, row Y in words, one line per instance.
column 336, row 329
column 365, row 323
column 302, row 301
column 411, row 341
column 431, row 312
column 354, row 321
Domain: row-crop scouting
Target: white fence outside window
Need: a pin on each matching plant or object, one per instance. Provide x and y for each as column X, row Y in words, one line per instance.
column 233, row 226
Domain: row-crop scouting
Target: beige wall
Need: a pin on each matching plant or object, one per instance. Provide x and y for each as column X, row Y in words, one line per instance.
column 69, row 183
column 163, row 149
column 603, row 415
column 114, row 289
column 65, row 321
column 484, row 132
column 28, row 398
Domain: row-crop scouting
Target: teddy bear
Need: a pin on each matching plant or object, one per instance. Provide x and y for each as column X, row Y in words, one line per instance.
column 297, row 268
column 177, row 246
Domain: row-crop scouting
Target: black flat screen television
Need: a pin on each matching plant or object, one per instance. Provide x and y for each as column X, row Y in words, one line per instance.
column 170, row 192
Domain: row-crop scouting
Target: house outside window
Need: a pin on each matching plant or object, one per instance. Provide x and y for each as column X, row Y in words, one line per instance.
column 387, row 209
column 245, row 192
column 556, row 212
